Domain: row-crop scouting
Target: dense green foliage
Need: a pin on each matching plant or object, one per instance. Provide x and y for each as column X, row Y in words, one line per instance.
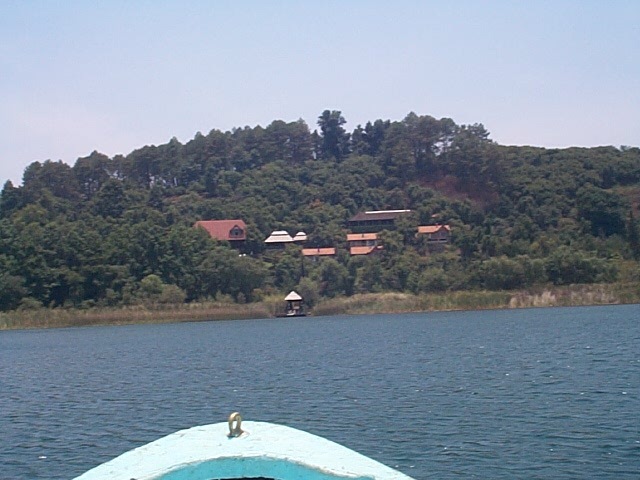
column 118, row 231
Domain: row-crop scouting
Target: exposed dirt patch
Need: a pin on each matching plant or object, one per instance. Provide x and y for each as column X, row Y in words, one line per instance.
column 451, row 187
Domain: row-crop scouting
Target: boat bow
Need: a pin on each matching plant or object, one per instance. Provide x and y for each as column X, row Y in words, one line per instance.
column 231, row 451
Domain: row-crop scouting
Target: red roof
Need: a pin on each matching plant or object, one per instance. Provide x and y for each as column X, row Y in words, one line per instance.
column 364, row 250
column 312, row 252
column 353, row 237
column 433, row 228
column 221, row 229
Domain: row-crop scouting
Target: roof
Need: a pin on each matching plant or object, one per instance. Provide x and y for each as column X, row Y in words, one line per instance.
column 378, row 215
column 300, row 237
column 292, row 296
column 311, row 252
column 220, row 229
column 352, row 237
column 262, row 450
column 279, row 236
column 364, row 250
column 433, row 228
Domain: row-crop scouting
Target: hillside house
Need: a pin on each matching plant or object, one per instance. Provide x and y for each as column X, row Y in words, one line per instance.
column 278, row 239
column 435, row 233
column 316, row 253
column 233, row 231
column 300, row 237
column 363, row 243
column 375, row 220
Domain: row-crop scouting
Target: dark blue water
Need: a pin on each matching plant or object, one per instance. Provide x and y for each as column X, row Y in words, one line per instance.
column 514, row 394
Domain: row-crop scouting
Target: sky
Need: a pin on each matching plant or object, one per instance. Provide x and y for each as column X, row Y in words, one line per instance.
column 114, row 76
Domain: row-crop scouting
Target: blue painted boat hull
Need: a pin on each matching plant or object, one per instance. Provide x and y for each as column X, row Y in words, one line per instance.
column 262, row 450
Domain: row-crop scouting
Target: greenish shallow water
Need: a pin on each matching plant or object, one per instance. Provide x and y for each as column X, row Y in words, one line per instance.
column 510, row 394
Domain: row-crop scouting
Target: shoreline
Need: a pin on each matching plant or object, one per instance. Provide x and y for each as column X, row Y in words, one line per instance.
column 370, row 303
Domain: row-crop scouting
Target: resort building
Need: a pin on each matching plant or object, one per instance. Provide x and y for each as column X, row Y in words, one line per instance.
column 226, row 230
column 315, row 253
column 278, row 239
column 375, row 220
column 363, row 243
column 300, row 237
column 435, row 233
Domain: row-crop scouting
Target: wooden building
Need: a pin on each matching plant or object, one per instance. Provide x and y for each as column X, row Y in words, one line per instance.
column 294, row 305
column 278, row 239
column 228, row 230
column 363, row 243
column 435, row 233
column 375, row 220
column 319, row 252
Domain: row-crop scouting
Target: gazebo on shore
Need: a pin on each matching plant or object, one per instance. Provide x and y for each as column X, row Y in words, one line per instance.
column 294, row 306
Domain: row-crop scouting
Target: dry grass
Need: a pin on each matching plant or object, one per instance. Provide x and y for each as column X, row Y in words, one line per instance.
column 577, row 295
column 49, row 318
column 574, row 295
column 403, row 302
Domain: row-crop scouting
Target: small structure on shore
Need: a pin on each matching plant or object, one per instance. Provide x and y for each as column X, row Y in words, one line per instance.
column 295, row 305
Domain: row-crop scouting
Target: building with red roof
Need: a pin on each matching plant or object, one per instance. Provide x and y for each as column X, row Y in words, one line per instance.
column 227, row 230
column 363, row 243
column 435, row 233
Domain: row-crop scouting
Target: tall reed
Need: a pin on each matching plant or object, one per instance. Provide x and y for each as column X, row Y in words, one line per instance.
column 390, row 302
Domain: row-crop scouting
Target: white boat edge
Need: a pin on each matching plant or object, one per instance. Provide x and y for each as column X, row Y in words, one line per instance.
column 262, row 450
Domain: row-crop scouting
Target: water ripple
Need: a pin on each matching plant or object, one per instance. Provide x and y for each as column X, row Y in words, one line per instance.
column 526, row 394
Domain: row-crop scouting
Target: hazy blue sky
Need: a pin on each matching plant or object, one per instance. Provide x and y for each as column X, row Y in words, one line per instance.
column 112, row 76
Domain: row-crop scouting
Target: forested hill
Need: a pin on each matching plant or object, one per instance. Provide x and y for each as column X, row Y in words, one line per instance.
column 117, row 231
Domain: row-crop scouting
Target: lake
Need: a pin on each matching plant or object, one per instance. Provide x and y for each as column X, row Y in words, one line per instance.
column 548, row 393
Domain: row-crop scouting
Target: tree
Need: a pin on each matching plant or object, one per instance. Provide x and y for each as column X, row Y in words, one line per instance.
column 55, row 177
column 432, row 279
column 110, row 199
column 633, row 235
column 12, row 290
column 287, row 269
column 604, row 210
column 11, row 199
column 567, row 266
column 91, row 173
column 332, row 278
column 92, row 233
column 422, row 136
column 369, row 140
column 246, row 275
column 473, row 158
column 502, row 273
column 335, row 139
column 224, row 271
column 290, row 142
column 396, row 154
column 154, row 290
